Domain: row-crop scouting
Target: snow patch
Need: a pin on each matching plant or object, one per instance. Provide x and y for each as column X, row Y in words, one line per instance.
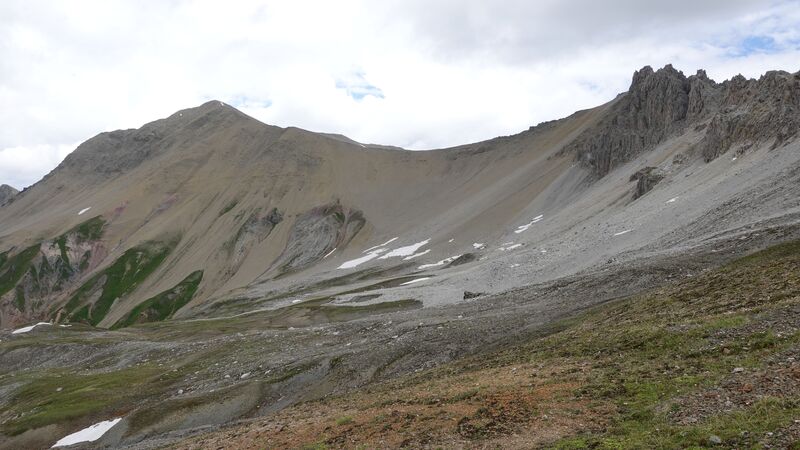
column 408, row 250
column 512, row 246
column 525, row 227
column 84, row 210
column 451, row 241
column 408, row 258
column 478, row 245
column 415, row 281
column 29, row 328
column 89, row 434
column 672, row 200
column 381, row 245
column 622, row 232
column 329, row 253
column 358, row 261
column 439, row 263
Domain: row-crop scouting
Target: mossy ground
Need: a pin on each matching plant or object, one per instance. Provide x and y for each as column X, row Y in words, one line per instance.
column 57, row 397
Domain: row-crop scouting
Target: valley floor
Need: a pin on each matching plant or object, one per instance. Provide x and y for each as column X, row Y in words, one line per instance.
column 710, row 360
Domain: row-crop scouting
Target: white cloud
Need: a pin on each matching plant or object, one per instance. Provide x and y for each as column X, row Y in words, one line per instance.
column 413, row 73
column 19, row 165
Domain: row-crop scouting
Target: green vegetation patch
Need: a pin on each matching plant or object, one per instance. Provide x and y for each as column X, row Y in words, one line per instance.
column 59, row 397
column 116, row 281
column 15, row 267
column 90, row 230
column 165, row 304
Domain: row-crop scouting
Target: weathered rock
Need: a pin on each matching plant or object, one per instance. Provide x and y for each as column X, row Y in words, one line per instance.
column 463, row 259
column 655, row 106
column 254, row 230
column 646, row 179
column 316, row 233
column 31, row 277
column 754, row 111
column 469, row 294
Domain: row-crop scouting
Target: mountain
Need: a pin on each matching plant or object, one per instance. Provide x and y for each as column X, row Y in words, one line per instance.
column 258, row 208
column 6, row 193
column 142, row 238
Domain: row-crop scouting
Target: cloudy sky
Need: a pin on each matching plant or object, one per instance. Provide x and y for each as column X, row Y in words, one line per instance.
column 414, row 73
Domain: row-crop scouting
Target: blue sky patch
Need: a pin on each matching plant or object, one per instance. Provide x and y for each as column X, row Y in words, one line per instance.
column 357, row 86
column 242, row 101
column 756, row 44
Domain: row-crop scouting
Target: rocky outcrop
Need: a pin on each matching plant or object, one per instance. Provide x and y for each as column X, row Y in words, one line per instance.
column 754, row 111
column 316, row 233
column 254, row 230
column 32, row 278
column 664, row 103
column 7, row 193
column 645, row 179
column 655, row 106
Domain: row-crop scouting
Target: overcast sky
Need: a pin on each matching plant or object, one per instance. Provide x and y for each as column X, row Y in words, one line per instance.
column 414, row 73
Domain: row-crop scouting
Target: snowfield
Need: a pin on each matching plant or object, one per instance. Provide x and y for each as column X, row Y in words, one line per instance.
column 408, row 250
column 358, row 261
column 89, row 434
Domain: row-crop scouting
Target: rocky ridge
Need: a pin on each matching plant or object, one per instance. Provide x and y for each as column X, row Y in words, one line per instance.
column 664, row 103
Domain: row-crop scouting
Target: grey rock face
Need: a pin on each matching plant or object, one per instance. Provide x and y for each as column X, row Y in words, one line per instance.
column 753, row 111
column 662, row 103
column 316, row 233
column 655, row 106
column 7, row 193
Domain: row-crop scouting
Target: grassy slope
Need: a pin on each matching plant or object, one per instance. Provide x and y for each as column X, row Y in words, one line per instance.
column 165, row 304
column 116, row 281
column 703, row 360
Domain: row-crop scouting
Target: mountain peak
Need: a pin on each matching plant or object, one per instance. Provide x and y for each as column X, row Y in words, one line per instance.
column 211, row 108
column 646, row 77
